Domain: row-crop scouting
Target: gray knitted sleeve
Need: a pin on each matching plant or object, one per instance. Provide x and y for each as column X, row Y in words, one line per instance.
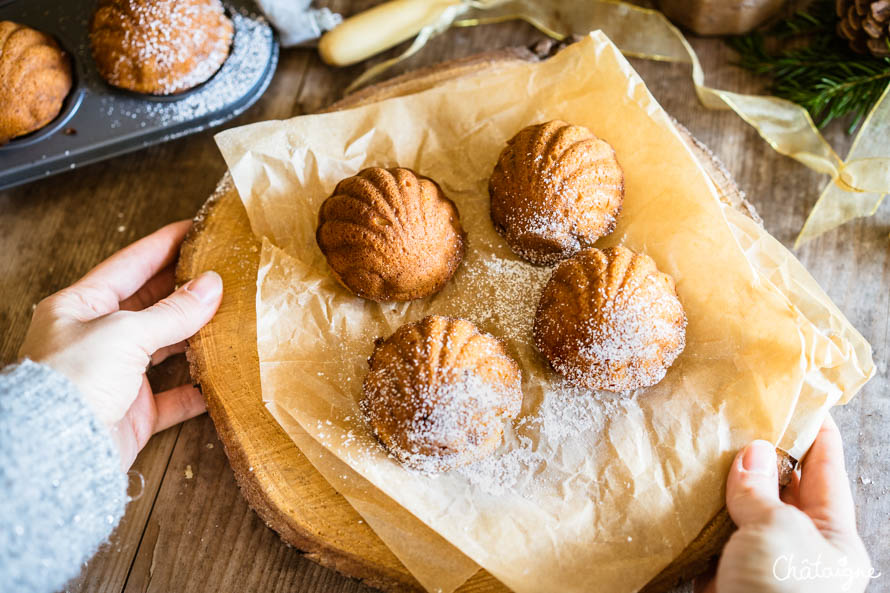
column 61, row 487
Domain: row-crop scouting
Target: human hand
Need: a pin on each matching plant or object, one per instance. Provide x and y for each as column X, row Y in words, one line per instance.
column 803, row 540
column 105, row 330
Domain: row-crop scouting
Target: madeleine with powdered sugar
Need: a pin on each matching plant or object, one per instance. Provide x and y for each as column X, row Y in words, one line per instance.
column 159, row 47
column 555, row 190
column 608, row 319
column 439, row 393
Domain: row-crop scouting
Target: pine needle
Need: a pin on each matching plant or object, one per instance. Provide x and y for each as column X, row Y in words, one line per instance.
column 818, row 71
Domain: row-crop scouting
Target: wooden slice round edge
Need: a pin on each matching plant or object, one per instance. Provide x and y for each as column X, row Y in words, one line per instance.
column 276, row 479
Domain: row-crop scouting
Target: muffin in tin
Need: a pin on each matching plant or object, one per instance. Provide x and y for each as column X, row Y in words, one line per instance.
column 35, row 78
column 159, row 47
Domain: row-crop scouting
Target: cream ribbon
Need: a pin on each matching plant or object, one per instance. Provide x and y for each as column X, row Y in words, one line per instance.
column 857, row 186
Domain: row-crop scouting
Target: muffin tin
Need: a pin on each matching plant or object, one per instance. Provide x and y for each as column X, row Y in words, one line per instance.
column 98, row 121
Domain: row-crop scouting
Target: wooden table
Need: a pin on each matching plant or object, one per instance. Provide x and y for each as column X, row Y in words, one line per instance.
column 191, row 530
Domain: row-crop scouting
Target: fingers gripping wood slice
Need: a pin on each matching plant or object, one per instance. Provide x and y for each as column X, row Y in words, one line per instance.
column 277, row 480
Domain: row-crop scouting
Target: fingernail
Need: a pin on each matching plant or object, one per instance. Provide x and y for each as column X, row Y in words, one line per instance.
column 207, row 287
column 760, row 458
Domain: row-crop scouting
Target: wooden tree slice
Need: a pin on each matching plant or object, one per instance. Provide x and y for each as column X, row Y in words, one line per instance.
column 277, row 480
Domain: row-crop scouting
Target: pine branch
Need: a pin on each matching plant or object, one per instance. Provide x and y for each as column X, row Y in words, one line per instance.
column 819, row 18
column 818, row 71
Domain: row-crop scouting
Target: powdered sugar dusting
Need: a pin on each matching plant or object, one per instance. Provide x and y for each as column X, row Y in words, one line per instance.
column 448, row 422
column 565, row 416
column 501, row 295
column 610, row 320
column 242, row 70
column 439, row 393
column 568, row 412
column 498, row 474
column 556, row 188
column 633, row 332
column 174, row 44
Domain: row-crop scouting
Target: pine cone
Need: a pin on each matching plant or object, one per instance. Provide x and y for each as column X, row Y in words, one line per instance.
column 866, row 25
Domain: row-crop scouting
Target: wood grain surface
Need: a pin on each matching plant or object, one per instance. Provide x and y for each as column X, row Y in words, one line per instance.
column 191, row 534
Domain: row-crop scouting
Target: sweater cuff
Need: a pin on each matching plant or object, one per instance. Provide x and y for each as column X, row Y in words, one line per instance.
column 59, row 475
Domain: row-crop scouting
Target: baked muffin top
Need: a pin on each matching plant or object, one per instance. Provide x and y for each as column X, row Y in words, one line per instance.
column 440, row 392
column 608, row 319
column 556, row 189
column 390, row 235
column 159, row 47
column 35, row 78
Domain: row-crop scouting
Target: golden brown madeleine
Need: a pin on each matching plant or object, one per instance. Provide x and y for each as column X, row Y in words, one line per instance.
column 556, row 189
column 440, row 392
column 159, row 47
column 390, row 235
column 608, row 319
column 35, row 78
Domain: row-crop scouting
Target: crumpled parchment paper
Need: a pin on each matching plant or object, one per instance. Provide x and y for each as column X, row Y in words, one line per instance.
column 437, row 565
column 588, row 487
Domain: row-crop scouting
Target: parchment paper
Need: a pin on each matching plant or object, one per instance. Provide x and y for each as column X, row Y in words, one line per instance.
column 588, row 488
column 437, row 565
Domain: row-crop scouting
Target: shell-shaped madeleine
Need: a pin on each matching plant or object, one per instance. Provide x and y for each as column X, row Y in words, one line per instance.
column 556, row 189
column 35, row 78
column 159, row 47
column 390, row 235
column 439, row 393
column 608, row 319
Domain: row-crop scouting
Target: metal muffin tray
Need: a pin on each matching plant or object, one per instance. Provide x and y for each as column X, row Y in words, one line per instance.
column 98, row 121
